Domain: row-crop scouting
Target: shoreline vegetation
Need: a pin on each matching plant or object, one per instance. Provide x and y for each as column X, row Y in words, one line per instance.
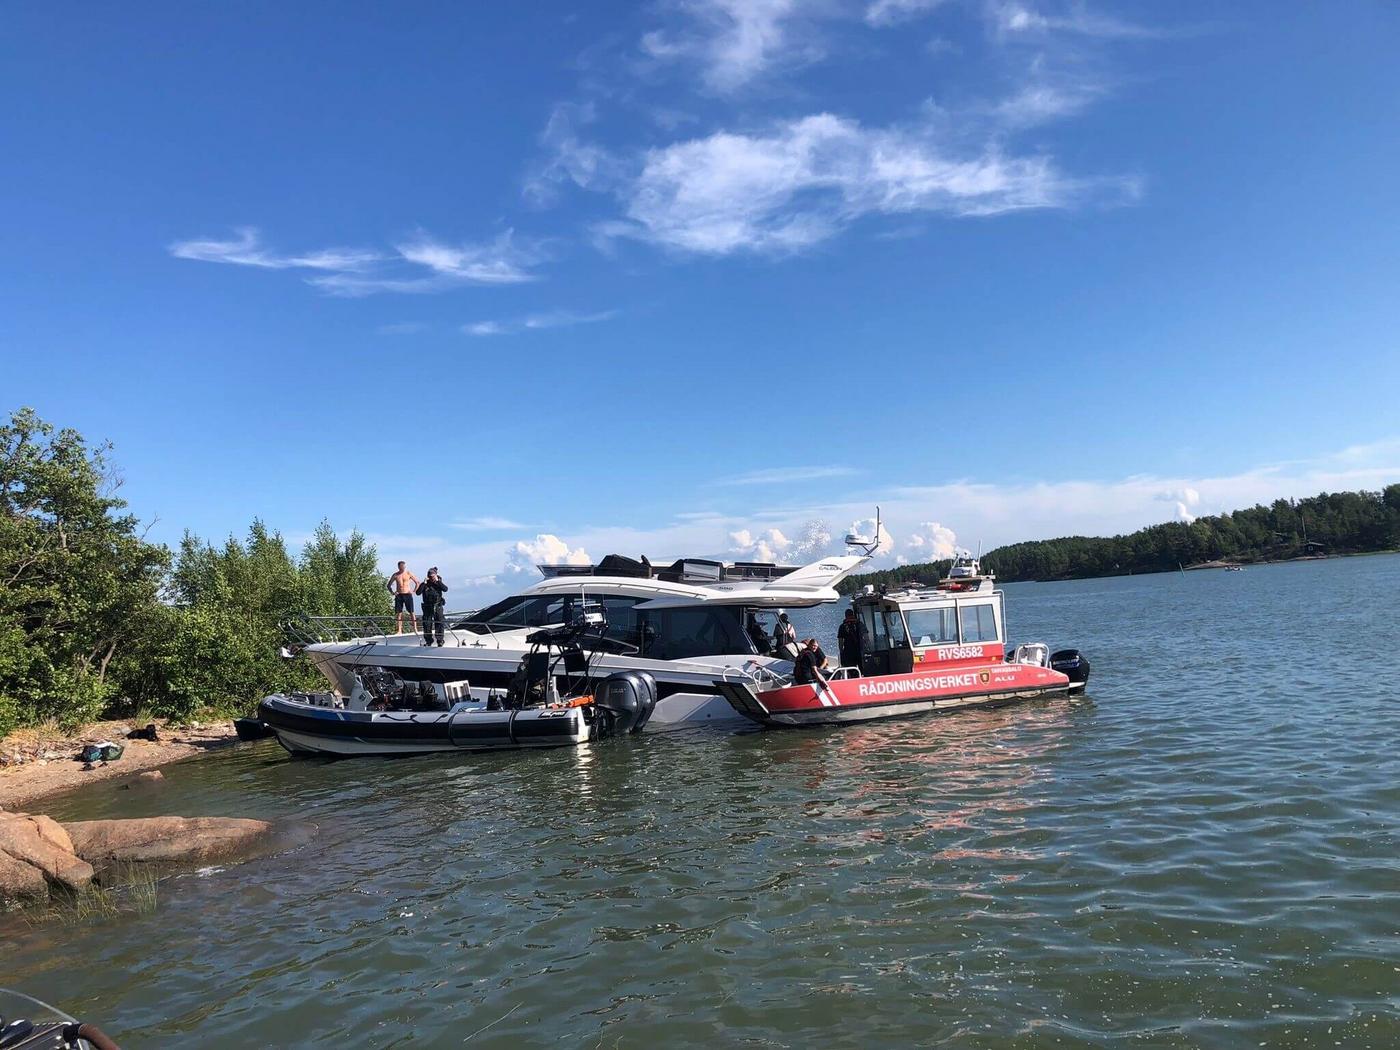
column 1326, row 525
column 97, row 622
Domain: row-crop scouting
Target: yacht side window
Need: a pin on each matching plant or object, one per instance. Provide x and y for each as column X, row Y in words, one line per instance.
column 933, row 626
column 675, row 634
column 623, row 622
column 979, row 623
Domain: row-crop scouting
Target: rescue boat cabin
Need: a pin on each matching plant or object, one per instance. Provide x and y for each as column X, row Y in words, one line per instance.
column 959, row 620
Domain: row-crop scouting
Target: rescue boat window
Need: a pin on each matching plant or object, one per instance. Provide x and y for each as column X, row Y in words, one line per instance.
column 933, row 626
column 979, row 623
column 894, row 623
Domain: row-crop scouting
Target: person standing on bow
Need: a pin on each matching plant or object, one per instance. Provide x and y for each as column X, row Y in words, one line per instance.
column 850, row 639
column 402, row 585
column 431, row 591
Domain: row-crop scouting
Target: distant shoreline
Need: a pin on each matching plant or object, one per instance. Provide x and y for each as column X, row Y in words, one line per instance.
column 1218, row 564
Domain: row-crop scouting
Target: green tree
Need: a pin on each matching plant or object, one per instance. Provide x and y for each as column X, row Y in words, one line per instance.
column 75, row 573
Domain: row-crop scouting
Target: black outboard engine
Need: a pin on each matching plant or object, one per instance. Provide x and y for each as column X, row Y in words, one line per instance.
column 626, row 700
column 1073, row 663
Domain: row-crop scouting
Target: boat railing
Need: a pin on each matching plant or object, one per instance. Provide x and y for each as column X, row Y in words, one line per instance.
column 311, row 630
column 757, row 675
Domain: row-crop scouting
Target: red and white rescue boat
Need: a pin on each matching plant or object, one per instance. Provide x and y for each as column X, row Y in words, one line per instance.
column 925, row 650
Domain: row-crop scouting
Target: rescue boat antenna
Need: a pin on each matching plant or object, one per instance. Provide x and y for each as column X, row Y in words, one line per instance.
column 868, row 545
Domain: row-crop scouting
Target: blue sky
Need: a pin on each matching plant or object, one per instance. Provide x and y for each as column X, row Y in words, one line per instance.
column 502, row 282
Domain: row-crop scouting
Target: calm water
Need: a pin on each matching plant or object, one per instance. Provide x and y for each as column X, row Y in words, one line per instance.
column 1203, row 854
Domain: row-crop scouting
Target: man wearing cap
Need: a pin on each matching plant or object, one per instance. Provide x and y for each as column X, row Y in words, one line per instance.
column 431, row 591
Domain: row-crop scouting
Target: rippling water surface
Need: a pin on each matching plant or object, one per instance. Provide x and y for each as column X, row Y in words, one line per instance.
column 1203, row 853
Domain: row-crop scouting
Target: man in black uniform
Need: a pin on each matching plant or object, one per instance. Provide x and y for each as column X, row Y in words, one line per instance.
column 850, row 638
column 758, row 636
column 807, row 669
column 431, row 591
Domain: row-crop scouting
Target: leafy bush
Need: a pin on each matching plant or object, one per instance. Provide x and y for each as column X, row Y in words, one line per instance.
column 96, row 620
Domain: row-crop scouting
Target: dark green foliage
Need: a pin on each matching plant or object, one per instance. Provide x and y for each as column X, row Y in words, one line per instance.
column 1330, row 523
column 95, row 621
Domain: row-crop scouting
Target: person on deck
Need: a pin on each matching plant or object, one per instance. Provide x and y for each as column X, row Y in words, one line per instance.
column 808, row 668
column 784, row 636
column 758, row 635
column 850, row 639
column 402, row 585
column 431, row 591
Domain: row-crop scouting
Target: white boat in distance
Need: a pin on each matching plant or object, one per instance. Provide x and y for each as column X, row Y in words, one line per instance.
column 687, row 621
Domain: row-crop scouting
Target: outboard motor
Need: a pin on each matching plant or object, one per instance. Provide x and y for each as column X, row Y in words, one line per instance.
column 1074, row 664
column 626, row 699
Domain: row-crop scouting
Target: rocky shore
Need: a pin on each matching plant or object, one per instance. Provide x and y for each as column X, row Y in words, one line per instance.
column 34, row 764
column 40, row 857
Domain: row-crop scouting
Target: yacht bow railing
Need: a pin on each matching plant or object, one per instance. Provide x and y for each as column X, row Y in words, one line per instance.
column 313, row 630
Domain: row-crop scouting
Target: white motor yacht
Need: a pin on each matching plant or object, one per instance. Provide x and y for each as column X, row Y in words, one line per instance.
column 683, row 624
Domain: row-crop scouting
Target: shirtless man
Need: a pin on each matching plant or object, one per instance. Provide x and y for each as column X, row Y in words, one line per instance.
column 402, row 585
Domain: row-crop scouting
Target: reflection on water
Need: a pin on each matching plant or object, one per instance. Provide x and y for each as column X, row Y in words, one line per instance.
column 1204, row 854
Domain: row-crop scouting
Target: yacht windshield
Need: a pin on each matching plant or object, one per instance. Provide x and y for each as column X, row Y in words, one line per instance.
column 552, row 610
column 659, row 634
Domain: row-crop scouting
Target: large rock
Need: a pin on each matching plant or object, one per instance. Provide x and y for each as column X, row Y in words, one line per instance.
column 35, row 855
column 162, row 839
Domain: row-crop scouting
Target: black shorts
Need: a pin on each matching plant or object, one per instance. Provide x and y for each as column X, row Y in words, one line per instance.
column 403, row 603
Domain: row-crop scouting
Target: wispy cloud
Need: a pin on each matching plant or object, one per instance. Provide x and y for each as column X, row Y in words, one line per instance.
column 802, row 181
column 531, row 322
column 735, row 41
column 245, row 248
column 488, row 523
column 778, row 475
column 1011, row 17
column 418, row 264
column 889, row 12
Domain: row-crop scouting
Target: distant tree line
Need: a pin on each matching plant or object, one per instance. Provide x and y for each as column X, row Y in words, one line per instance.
column 1329, row 523
column 97, row 621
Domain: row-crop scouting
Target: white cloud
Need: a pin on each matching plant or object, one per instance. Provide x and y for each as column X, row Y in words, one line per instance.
column 802, row 181
column 524, row 556
column 551, row 319
column 984, row 514
column 734, row 41
column 488, row 523
column 1183, row 499
column 421, row 264
column 502, row 261
column 865, row 527
column 778, row 475
column 930, row 541
column 889, row 12
column 1038, row 102
column 1010, row 17
column 767, row 545
column 246, row 249
column 813, row 540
